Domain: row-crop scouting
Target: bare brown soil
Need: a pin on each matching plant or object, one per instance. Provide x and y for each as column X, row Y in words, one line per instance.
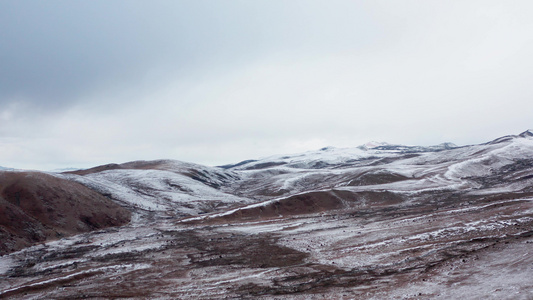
column 36, row 207
column 390, row 251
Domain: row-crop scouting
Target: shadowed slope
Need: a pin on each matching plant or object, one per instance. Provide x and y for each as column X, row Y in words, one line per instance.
column 35, row 207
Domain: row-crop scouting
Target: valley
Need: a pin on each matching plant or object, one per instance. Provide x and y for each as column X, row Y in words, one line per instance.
column 378, row 221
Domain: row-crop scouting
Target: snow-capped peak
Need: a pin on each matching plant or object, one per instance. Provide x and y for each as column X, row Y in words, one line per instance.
column 527, row 133
column 374, row 144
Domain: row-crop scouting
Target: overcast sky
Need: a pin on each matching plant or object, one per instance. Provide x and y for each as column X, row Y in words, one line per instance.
column 84, row 83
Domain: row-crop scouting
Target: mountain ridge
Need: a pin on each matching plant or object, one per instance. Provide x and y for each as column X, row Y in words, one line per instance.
column 387, row 222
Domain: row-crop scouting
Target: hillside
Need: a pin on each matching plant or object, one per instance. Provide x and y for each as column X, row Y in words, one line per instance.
column 36, row 207
column 177, row 188
column 379, row 221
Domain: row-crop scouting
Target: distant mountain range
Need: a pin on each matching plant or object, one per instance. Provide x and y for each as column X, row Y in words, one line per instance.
column 378, row 221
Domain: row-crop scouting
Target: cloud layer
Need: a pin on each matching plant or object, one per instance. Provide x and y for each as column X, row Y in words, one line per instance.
column 218, row 82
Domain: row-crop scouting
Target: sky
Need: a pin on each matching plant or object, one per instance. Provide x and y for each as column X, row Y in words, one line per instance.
column 84, row 83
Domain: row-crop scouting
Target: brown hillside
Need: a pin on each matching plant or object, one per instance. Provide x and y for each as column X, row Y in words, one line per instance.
column 35, row 207
column 307, row 203
column 133, row 165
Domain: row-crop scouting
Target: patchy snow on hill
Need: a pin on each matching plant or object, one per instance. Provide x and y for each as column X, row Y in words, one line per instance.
column 379, row 221
column 159, row 190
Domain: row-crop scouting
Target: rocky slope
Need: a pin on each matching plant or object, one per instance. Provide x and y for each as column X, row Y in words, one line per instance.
column 375, row 222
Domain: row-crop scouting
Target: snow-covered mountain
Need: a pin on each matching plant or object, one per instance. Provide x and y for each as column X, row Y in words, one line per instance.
column 191, row 189
column 164, row 185
column 503, row 165
column 331, row 157
column 378, row 221
column 187, row 189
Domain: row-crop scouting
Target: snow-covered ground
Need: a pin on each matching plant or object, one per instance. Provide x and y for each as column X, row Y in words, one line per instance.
column 175, row 187
column 440, row 222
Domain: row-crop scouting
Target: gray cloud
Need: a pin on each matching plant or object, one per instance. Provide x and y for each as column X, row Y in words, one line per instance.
column 55, row 52
column 214, row 82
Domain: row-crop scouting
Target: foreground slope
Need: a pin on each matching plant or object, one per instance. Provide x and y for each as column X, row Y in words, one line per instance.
column 35, row 207
column 376, row 222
